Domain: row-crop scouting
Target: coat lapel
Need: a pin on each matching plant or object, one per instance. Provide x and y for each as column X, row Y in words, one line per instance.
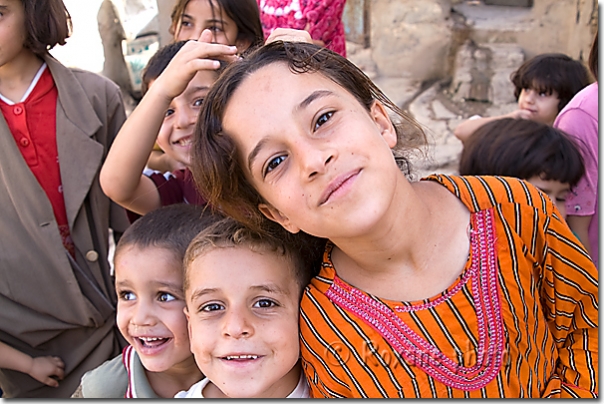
column 80, row 155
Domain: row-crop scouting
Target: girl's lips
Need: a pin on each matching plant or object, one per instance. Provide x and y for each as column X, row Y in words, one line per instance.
column 337, row 185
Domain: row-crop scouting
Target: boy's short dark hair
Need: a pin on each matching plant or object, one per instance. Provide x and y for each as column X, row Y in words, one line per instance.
column 160, row 60
column 523, row 149
column 171, row 227
column 551, row 72
column 47, row 24
column 303, row 251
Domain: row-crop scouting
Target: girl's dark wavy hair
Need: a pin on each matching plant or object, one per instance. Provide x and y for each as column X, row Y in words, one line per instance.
column 523, row 149
column 215, row 166
column 551, row 72
column 47, row 24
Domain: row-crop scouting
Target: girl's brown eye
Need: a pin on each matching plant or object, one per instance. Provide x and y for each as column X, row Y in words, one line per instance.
column 274, row 163
column 323, row 118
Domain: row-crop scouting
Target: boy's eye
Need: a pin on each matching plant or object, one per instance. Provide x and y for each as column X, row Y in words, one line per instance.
column 322, row 119
column 264, row 303
column 274, row 163
column 166, row 297
column 212, row 307
column 127, row 295
column 198, row 103
column 168, row 113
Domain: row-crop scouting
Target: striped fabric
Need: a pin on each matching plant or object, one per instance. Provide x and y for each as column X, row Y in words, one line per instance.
column 520, row 321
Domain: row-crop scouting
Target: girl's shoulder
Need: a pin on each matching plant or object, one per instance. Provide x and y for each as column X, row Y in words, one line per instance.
column 486, row 192
column 92, row 83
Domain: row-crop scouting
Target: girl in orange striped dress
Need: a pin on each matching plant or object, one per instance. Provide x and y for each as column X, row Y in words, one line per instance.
column 450, row 286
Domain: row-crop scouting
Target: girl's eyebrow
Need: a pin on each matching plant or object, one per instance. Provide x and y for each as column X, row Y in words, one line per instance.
column 304, row 104
column 313, row 96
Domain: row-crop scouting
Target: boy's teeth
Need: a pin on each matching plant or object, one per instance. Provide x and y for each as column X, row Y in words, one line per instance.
column 242, row 357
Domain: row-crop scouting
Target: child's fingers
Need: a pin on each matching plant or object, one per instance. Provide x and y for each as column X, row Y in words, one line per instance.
column 49, row 381
column 205, row 36
column 58, row 362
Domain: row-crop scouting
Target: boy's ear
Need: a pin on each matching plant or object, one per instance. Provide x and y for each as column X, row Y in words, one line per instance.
column 380, row 116
column 276, row 216
column 186, row 311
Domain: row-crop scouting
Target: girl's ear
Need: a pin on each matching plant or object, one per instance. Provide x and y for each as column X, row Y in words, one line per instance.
column 273, row 214
column 380, row 116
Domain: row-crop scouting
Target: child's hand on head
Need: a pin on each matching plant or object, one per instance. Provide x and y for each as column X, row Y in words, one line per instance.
column 43, row 367
column 289, row 35
column 191, row 58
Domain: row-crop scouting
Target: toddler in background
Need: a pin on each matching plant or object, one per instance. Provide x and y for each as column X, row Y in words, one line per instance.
column 321, row 18
column 543, row 86
column 579, row 119
column 175, row 82
column 544, row 156
column 149, row 278
column 243, row 293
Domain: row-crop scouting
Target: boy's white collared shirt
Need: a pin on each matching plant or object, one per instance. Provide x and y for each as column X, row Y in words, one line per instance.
column 196, row 390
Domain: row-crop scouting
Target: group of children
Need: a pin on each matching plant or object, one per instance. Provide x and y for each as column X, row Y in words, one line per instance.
column 296, row 259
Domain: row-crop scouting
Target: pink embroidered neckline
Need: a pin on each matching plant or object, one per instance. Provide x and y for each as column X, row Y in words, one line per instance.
column 415, row 349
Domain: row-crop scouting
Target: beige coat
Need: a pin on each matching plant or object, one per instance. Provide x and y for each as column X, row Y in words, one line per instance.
column 46, row 306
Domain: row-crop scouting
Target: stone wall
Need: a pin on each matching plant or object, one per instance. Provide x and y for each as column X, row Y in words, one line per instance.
column 411, row 38
column 419, row 39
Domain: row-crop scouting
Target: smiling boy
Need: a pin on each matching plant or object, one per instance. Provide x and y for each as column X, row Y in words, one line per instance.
column 178, row 77
column 242, row 292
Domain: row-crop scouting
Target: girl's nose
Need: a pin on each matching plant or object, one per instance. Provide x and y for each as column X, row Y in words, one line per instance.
column 314, row 160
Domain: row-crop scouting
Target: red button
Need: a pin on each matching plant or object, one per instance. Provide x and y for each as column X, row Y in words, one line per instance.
column 18, row 110
column 24, row 142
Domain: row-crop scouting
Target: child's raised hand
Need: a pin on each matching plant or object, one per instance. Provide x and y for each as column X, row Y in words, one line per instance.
column 289, row 35
column 194, row 56
column 43, row 367
column 520, row 114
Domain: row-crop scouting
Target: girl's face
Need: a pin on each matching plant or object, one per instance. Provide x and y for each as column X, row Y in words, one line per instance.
column 150, row 307
column 542, row 106
column 320, row 160
column 201, row 14
column 12, row 30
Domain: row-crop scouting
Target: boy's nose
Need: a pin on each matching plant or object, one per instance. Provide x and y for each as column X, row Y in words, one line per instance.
column 237, row 325
column 185, row 119
column 142, row 315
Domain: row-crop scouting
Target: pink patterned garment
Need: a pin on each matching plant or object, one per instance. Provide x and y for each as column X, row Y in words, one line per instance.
column 322, row 17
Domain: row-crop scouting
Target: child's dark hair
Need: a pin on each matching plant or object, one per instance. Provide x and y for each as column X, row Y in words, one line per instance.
column 218, row 173
column 244, row 13
column 303, row 252
column 160, row 60
column 551, row 72
column 523, row 149
column 171, row 227
column 47, row 24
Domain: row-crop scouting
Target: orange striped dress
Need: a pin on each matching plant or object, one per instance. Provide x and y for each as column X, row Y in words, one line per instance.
column 520, row 321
